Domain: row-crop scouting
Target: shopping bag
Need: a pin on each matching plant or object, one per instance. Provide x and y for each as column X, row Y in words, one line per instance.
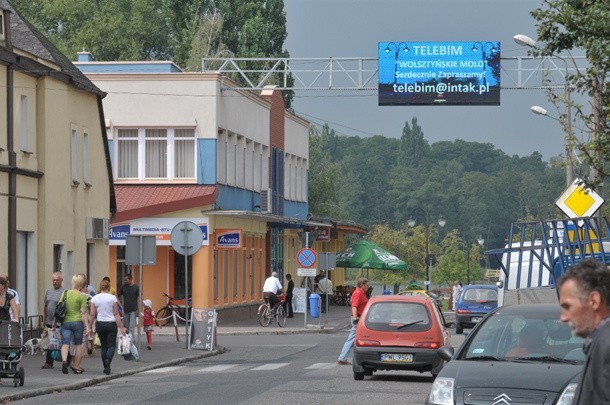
column 124, row 346
column 134, row 352
column 96, row 341
column 54, row 339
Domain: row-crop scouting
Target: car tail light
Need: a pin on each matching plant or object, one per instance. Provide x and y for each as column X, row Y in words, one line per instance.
column 366, row 342
column 428, row 345
column 464, row 311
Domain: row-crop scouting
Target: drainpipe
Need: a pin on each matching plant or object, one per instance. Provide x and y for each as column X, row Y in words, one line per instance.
column 12, row 163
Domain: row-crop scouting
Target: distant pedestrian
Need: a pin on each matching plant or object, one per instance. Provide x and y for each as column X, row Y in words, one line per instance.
column 8, row 308
column 358, row 302
column 584, row 296
column 455, row 292
column 148, row 320
column 325, row 288
column 288, row 303
column 15, row 298
column 51, row 298
column 104, row 306
column 130, row 293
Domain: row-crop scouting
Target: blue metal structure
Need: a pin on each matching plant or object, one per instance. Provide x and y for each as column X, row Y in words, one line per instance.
column 552, row 245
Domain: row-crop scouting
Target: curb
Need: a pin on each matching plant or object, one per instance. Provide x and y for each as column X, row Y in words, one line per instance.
column 277, row 332
column 98, row 380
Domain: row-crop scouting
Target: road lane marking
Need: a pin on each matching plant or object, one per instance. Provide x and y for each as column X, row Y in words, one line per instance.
column 321, row 366
column 270, row 366
column 163, row 370
column 216, row 368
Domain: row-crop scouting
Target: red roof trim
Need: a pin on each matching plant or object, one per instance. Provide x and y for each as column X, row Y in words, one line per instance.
column 138, row 201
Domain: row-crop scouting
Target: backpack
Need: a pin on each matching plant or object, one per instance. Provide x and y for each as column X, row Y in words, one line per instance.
column 61, row 308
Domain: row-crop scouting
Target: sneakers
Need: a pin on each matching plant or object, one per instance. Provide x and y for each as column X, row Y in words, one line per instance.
column 64, row 367
column 149, row 347
column 343, row 362
column 46, row 366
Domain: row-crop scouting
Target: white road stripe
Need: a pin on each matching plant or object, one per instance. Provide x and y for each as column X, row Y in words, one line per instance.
column 216, row 368
column 270, row 366
column 321, row 366
column 163, row 370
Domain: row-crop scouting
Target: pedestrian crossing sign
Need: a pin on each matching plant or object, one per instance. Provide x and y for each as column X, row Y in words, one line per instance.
column 579, row 200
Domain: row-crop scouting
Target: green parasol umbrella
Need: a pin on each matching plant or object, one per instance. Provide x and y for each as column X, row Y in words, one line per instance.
column 367, row 255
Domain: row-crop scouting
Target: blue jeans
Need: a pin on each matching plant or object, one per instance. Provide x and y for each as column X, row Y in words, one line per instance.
column 348, row 343
column 70, row 330
column 129, row 321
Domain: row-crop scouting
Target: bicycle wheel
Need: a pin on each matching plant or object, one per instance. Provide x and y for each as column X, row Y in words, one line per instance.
column 280, row 316
column 164, row 315
column 263, row 315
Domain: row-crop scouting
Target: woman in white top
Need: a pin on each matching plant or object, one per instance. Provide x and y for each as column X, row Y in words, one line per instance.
column 105, row 307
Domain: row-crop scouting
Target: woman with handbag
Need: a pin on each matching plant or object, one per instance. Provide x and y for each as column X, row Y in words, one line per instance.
column 74, row 325
column 105, row 307
column 7, row 302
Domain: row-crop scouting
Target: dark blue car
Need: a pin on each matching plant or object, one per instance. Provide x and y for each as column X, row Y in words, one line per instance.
column 474, row 302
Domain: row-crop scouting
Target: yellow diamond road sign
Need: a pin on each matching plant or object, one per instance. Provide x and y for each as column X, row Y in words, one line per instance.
column 579, row 200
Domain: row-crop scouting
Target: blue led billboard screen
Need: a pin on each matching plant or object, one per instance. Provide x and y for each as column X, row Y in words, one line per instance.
column 439, row 73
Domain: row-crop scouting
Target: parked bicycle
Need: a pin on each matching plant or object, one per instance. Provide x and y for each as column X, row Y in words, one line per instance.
column 170, row 311
column 265, row 315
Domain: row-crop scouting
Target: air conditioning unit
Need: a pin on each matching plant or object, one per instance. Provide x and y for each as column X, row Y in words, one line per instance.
column 266, row 201
column 96, row 228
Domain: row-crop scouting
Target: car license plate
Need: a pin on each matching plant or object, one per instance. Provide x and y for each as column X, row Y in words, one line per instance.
column 393, row 357
column 475, row 320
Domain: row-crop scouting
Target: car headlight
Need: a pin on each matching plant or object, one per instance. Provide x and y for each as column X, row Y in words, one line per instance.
column 442, row 391
column 567, row 396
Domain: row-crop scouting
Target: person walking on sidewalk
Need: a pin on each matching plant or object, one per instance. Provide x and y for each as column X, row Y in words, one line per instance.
column 75, row 325
column 105, row 307
column 358, row 302
column 148, row 321
column 288, row 303
column 130, row 293
column 325, row 288
column 51, row 298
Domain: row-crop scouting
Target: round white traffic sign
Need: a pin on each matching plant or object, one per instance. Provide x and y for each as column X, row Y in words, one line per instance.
column 186, row 238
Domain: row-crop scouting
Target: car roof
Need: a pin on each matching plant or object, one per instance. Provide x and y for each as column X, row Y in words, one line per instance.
column 489, row 286
column 552, row 310
column 420, row 298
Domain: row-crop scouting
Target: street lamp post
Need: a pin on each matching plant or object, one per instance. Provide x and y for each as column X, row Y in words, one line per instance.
column 428, row 259
column 480, row 241
column 566, row 119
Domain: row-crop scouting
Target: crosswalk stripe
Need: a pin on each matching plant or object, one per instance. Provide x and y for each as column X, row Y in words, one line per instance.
column 218, row 367
column 163, row 370
column 270, row 366
column 321, row 366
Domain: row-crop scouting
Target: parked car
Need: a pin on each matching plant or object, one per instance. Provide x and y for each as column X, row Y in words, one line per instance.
column 399, row 332
column 474, row 302
column 516, row 354
column 426, row 293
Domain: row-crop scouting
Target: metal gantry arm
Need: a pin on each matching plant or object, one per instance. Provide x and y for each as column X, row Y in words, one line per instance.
column 360, row 73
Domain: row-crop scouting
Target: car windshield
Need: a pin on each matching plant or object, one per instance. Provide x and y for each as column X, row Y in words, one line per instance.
column 480, row 295
column 520, row 337
column 398, row 316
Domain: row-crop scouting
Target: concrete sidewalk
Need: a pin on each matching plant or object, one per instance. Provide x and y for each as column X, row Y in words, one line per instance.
column 166, row 352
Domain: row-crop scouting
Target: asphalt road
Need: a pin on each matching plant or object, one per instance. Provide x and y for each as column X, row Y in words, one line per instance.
column 258, row 369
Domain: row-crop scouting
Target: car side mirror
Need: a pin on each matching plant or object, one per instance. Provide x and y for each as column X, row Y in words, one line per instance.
column 445, row 352
column 500, row 284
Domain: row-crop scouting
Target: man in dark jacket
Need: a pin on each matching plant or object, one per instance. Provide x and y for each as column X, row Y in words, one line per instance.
column 288, row 303
column 584, row 297
column 130, row 293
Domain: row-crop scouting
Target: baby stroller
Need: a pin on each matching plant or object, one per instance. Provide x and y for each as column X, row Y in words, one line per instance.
column 11, row 347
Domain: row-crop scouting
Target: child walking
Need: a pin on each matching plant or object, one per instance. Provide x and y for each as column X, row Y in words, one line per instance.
column 148, row 317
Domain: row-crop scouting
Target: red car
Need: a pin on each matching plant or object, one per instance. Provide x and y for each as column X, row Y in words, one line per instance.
column 399, row 332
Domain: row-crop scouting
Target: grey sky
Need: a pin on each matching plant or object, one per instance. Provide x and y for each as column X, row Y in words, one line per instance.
column 352, row 28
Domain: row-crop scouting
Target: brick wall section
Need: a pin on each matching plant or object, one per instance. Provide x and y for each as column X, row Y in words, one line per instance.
column 276, row 117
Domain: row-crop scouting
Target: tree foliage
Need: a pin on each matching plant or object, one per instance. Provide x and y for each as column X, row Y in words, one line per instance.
column 566, row 25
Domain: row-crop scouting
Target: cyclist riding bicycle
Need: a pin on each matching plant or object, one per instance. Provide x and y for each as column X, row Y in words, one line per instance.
column 271, row 288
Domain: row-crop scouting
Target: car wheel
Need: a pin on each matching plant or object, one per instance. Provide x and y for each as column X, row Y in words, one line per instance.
column 459, row 329
column 358, row 376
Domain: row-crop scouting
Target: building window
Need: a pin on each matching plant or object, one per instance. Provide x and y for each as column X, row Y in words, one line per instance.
column 23, row 130
column 86, row 157
column 153, row 154
column 74, row 157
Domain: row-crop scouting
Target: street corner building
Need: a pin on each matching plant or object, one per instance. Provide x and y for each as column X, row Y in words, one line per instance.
column 56, row 194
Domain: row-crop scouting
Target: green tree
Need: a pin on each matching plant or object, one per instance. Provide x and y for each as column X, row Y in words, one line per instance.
column 565, row 25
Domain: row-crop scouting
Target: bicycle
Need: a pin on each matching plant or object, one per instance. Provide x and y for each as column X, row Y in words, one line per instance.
column 171, row 311
column 265, row 316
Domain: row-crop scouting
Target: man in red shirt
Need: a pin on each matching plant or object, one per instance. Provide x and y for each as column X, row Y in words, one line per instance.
column 358, row 302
